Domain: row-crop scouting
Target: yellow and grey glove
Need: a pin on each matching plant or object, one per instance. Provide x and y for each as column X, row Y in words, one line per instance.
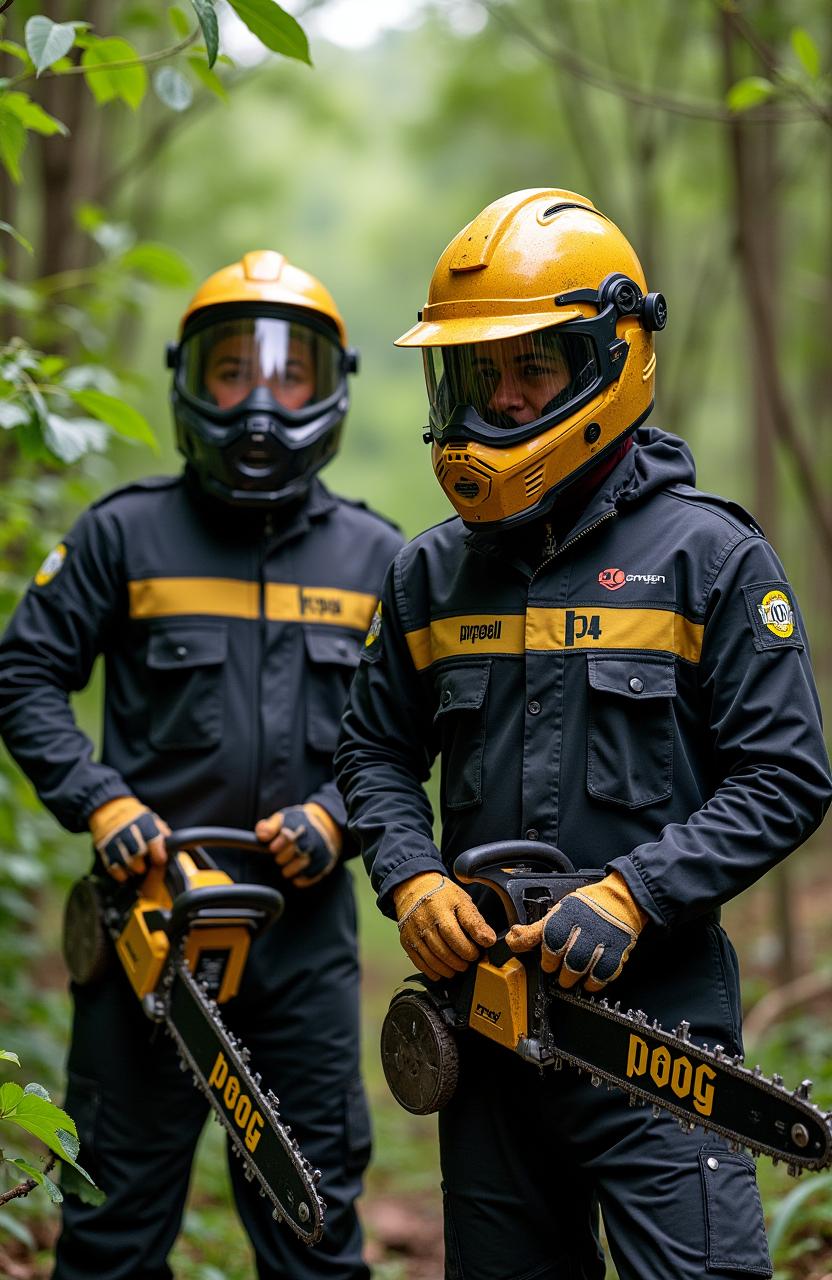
column 588, row 934
column 305, row 840
column 439, row 924
column 125, row 833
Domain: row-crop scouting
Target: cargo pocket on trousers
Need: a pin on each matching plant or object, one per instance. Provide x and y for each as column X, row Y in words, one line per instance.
column 453, row 1260
column 460, row 722
column 186, row 685
column 83, row 1104
column 358, row 1128
column 332, row 660
column 735, row 1234
column 630, row 736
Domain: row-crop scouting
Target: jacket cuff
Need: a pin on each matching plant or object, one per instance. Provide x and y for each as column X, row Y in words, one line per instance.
column 405, row 871
column 633, row 871
column 111, row 788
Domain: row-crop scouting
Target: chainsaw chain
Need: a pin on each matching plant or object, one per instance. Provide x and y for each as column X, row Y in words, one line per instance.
column 732, row 1064
column 267, row 1102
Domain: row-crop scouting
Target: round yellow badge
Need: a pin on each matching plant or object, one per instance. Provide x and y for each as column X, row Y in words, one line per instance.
column 777, row 613
column 51, row 566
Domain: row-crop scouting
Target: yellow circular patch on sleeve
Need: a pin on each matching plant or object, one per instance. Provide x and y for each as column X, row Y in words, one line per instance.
column 51, row 566
column 777, row 613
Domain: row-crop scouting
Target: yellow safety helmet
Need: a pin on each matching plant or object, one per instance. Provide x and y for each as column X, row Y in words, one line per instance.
column 538, row 348
column 259, row 389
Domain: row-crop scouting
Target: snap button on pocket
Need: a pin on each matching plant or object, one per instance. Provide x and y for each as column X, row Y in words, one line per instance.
column 534, row 707
column 532, row 834
column 712, row 1162
column 446, row 697
column 181, row 651
column 636, row 684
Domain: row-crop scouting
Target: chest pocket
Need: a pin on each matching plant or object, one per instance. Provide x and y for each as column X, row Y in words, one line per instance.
column 630, row 735
column 331, row 662
column 460, row 722
column 185, row 664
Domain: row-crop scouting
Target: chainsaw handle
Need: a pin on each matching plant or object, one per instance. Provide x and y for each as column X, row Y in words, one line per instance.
column 529, row 877
column 533, row 854
column 191, row 838
column 255, row 904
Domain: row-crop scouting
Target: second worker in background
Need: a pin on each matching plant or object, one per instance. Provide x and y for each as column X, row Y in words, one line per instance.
column 229, row 604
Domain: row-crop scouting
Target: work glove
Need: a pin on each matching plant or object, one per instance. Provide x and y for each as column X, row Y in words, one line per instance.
column 304, row 839
column 588, row 934
column 125, row 833
column 439, row 924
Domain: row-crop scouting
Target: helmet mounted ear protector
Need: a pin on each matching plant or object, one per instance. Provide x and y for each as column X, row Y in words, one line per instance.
column 262, row 445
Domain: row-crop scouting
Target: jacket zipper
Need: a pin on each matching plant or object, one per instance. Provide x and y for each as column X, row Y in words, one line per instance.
column 564, row 546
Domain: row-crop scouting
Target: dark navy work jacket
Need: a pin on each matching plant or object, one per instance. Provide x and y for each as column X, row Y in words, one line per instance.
column 229, row 639
column 643, row 699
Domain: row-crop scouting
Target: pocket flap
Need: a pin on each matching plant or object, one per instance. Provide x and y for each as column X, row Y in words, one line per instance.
column 327, row 646
column 636, row 677
column 188, row 645
column 462, row 688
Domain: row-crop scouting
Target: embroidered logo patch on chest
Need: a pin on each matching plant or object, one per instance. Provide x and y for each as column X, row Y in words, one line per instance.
column 771, row 612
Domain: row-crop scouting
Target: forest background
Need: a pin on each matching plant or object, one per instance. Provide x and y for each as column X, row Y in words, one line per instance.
column 703, row 129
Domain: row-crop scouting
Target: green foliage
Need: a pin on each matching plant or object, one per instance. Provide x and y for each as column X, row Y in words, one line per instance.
column 208, row 23
column 277, row 29
column 32, row 1110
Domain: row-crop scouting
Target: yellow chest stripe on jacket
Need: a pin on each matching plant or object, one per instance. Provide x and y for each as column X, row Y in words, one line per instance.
column 547, row 630
column 232, row 598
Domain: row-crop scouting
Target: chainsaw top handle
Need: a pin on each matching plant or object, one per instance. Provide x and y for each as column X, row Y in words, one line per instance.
column 255, row 905
column 528, row 876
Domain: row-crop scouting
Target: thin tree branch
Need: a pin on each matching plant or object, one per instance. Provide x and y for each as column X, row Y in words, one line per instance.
column 621, row 88
column 23, row 1188
column 126, row 64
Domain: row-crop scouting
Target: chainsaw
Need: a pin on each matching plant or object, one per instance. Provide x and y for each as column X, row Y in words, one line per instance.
column 182, row 934
column 508, row 999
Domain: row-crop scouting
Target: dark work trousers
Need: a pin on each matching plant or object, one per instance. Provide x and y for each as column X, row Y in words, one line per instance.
column 139, row 1116
column 529, row 1157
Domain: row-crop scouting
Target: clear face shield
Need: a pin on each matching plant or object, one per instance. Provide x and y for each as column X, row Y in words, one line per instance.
column 504, row 391
column 260, row 360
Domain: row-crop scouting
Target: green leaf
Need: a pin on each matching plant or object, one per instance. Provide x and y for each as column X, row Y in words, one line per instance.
column 158, row 262
column 210, row 30
column 77, row 1182
column 178, row 21
column 47, row 41
column 122, row 417
column 32, row 1171
column 10, row 1222
column 15, row 235
column 40, row 1118
column 38, row 1090
column 173, row 89
column 6, row 1055
column 12, row 142
column 749, row 92
column 806, row 50
column 16, row 50
column 787, row 1209
column 208, row 78
column 10, row 1095
column 11, row 416
column 274, row 27
column 127, row 83
column 32, row 116
column 70, row 439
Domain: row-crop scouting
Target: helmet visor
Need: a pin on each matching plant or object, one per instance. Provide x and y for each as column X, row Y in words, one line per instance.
column 221, row 364
column 512, row 382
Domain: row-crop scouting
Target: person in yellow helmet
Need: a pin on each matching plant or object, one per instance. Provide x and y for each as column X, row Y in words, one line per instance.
column 230, row 603
column 604, row 659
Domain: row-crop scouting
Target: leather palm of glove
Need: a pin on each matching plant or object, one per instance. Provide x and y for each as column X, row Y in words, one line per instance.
column 305, row 840
column 589, row 934
column 439, row 925
column 125, row 833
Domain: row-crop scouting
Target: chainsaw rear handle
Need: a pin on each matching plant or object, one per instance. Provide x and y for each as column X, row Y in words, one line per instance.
column 528, row 876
